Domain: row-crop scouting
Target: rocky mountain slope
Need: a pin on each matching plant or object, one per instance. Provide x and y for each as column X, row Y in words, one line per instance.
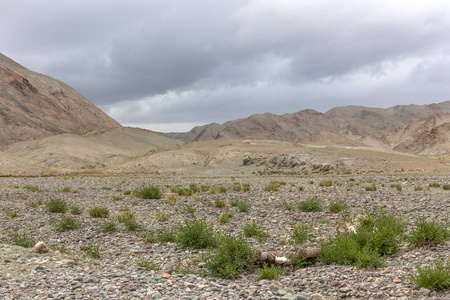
column 340, row 126
column 34, row 106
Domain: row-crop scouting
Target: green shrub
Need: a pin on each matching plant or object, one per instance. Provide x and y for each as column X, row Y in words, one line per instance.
column 300, row 233
column 418, row 188
column 271, row 272
column 11, row 214
column 446, row 187
column 218, row 203
column 435, row 277
column 76, row 210
column 287, row 205
column 162, row 217
column 274, row 186
column 255, row 230
column 246, row 187
column 32, row 188
column 185, row 192
column 146, row 263
column 196, row 234
column 397, row 186
column 434, row 184
column 189, row 209
column 166, row 235
column 92, row 250
column 326, row 183
column 243, row 206
column 150, row 192
column 337, row 206
column 126, row 216
column 371, row 188
column 299, row 261
column 56, row 206
column 98, row 212
column 108, row 227
column 22, row 239
column 131, row 225
column 64, row 190
column 428, row 233
column 378, row 234
column 312, row 204
column 232, row 255
column 67, row 223
column 225, row 218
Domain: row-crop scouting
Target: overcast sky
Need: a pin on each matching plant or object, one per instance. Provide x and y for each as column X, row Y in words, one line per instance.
column 170, row 65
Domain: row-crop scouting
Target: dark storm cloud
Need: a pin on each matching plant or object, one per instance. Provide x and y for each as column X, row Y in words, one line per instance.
column 192, row 62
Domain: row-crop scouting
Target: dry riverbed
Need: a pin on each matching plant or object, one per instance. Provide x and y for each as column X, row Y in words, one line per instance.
column 68, row 272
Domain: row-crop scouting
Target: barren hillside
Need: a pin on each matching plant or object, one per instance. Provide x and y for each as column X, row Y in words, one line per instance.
column 34, row 106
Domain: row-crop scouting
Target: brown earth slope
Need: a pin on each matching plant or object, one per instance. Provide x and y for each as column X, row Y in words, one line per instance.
column 34, row 106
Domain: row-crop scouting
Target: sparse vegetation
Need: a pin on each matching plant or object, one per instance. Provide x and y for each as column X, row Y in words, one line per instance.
column 56, row 206
column 66, row 223
column 149, row 192
column 98, row 212
column 255, row 230
column 232, row 255
column 312, row 204
column 108, row 227
column 435, row 277
column 225, row 218
column 147, row 263
column 196, row 234
column 22, row 239
column 92, row 250
column 32, row 188
column 326, row 183
column 337, row 206
column 428, row 233
column 271, row 272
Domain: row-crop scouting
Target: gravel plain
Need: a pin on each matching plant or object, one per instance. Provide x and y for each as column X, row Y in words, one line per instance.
column 66, row 272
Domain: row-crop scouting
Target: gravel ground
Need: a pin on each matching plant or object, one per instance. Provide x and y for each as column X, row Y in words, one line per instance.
column 66, row 272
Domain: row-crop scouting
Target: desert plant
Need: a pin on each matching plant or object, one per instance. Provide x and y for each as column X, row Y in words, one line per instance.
column 274, row 186
column 162, row 217
column 446, row 187
column 370, row 188
column 378, row 234
column 255, row 230
column 67, row 223
column 196, row 234
column 326, row 183
column 271, row 272
column 171, row 199
column 435, row 277
column 56, row 206
column 108, row 227
column 243, row 206
column 11, row 214
column 397, row 186
column 131, row 225
column 32, row 188
column 189, row 209
column 246, row 187
column 232, row 255
column 126, row 216
column 434, row 184
column 312, row 204
column 92, row 250
column 428, row 233
column 76, row 210
column 337, row 206
column 418, row 188
column 300, row 233
column 146, row 263
column 22, row 239
column 185, row 192
column 149, row 192
column 64, row 190
column 225, row 218
column 287, row 205
column 98, row 212
column 218, row 203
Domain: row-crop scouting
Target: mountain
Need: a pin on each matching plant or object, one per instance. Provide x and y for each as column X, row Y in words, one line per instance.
column 355, row 126
column 34, row 106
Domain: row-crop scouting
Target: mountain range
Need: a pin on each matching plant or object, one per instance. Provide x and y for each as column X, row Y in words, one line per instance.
column 418, row 129
column 47, row 128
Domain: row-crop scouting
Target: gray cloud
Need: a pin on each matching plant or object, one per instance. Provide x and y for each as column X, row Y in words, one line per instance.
column 192, row 62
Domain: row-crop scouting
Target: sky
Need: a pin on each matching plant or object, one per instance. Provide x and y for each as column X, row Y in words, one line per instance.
column 174, row 64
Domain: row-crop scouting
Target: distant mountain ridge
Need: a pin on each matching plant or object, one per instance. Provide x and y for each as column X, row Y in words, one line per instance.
column 34, row 106
column 342, row 126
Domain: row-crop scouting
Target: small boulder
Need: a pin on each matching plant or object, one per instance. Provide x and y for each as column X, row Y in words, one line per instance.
column 309, row 251
column 40, row 247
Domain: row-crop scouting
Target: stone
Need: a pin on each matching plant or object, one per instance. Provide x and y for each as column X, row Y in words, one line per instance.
column 316, row 297
column 66, row 262
column 424, row 292
column 310, row 251
column 397, row 280
column 40, row 247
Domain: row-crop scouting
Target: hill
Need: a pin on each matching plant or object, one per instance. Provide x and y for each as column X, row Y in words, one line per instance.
column 34, row 106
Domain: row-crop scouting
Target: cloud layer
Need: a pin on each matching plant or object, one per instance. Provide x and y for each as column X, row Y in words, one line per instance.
column 170, row 65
